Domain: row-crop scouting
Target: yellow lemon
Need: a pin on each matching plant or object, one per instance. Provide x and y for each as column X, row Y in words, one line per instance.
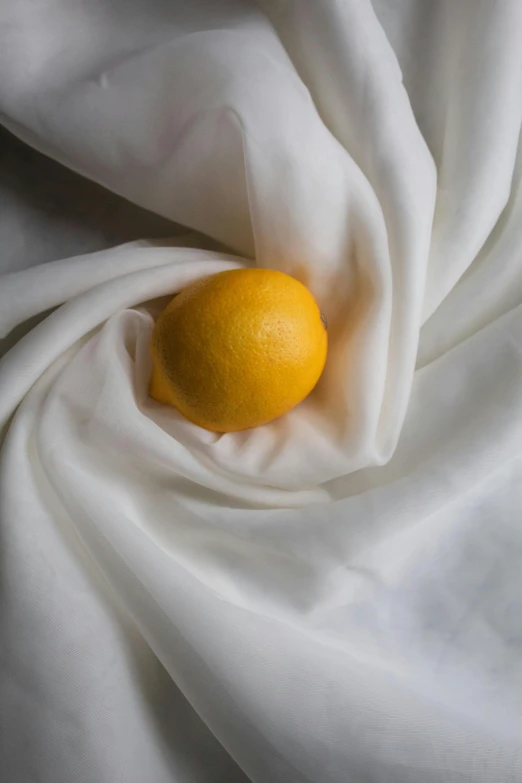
column 238, row 349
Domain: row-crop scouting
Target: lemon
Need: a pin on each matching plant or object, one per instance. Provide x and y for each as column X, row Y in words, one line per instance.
column 238, row 349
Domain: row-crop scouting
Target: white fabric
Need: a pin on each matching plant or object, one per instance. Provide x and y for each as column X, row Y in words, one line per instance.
column 336, row 595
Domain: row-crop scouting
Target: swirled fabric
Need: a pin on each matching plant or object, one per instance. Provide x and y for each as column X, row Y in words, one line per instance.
column 335, row 597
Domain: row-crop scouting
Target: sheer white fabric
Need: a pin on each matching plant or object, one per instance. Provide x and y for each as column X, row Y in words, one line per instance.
column 337, row 595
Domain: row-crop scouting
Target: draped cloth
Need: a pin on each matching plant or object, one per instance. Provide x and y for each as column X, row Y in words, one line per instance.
column 335, row 596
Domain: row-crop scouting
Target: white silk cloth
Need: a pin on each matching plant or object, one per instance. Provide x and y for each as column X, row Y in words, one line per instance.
column 335, row 597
